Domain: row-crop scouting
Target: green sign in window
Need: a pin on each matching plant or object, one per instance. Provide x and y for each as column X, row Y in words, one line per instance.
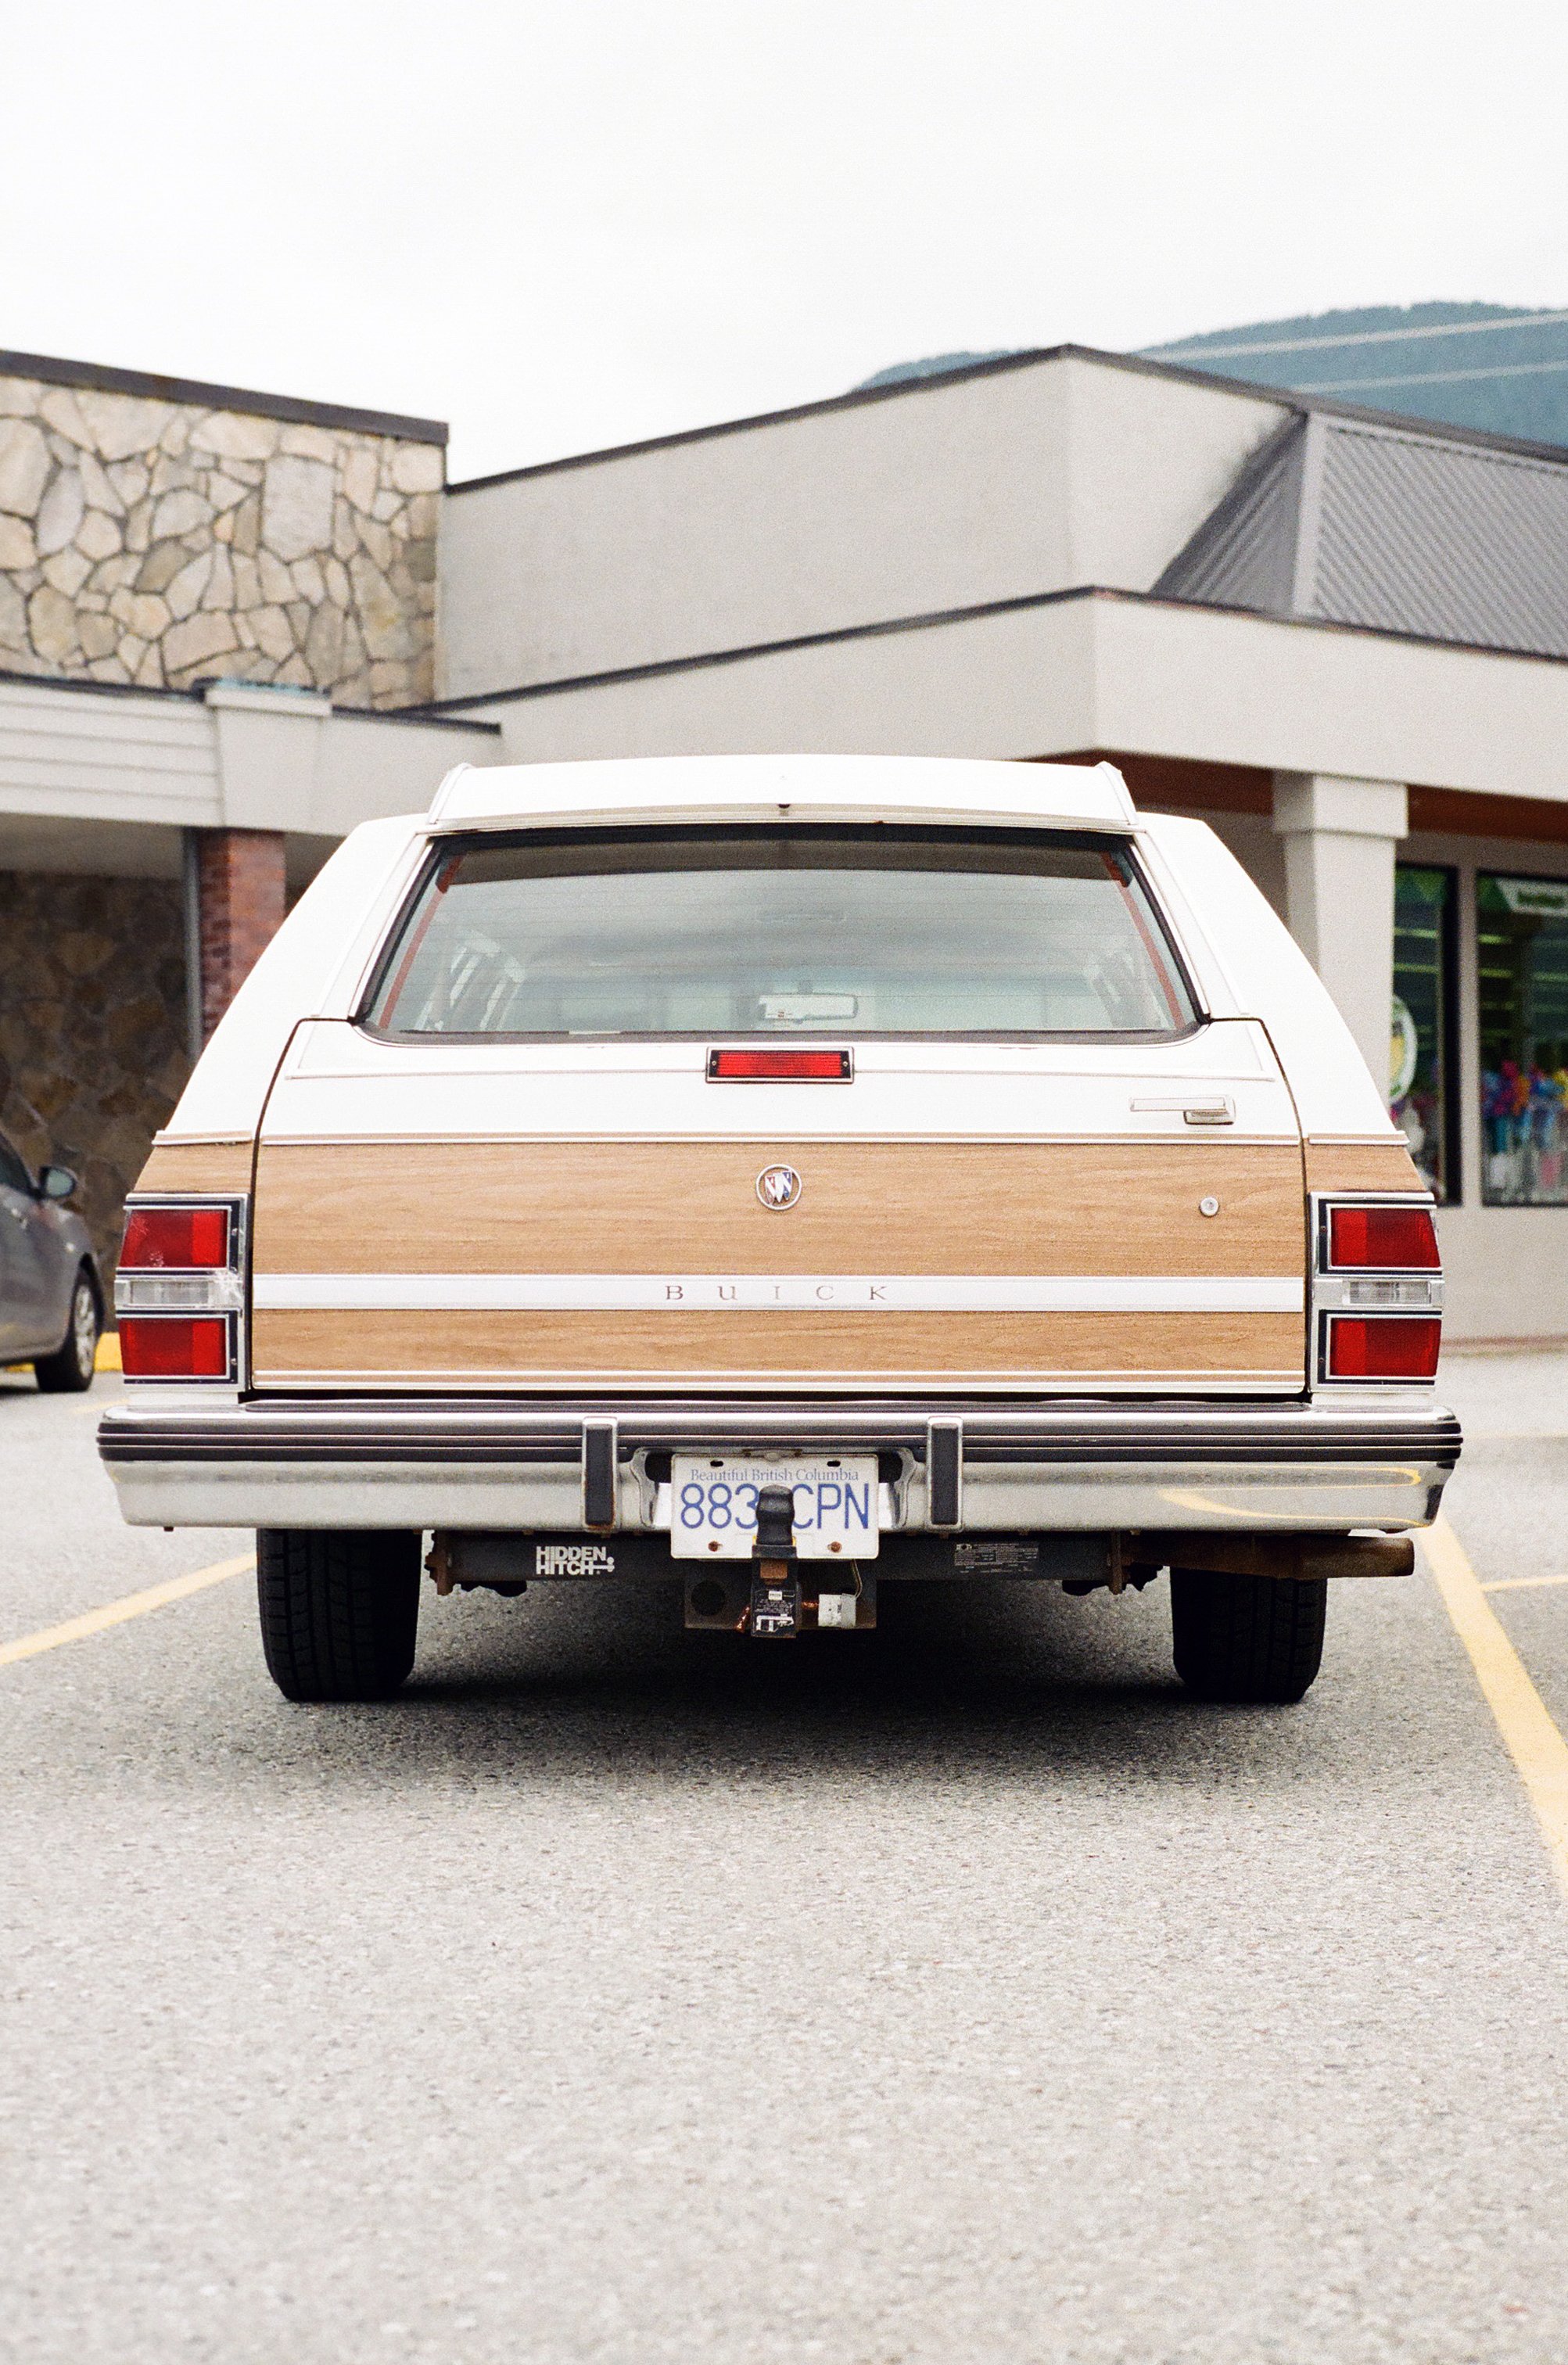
column 1522, row 957
column 1420, row 1094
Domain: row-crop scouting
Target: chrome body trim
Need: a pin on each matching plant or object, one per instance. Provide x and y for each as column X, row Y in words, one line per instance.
column 1026, row 1466
column 740, row 1293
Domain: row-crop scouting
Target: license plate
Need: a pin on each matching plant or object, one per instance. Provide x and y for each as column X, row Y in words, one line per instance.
column 712, row 1513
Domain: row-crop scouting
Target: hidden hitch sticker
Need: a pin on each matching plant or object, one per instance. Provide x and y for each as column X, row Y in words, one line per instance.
column 573, row 1560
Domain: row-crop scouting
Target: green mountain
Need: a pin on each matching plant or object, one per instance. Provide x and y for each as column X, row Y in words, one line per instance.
column 1489, row 366
column 937, row 365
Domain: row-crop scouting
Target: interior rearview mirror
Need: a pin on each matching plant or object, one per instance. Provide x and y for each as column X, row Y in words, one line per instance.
column 56, row 1182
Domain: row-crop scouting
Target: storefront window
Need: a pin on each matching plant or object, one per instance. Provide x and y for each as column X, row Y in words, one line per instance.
column 1522, row 931
column 1420, row 1078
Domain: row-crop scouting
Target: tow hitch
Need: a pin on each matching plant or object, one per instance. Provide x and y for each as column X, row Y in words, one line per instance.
column 777, row 1596
column 775, row 1585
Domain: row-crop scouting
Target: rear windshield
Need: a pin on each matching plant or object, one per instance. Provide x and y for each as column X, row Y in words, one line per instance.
column 799, row 929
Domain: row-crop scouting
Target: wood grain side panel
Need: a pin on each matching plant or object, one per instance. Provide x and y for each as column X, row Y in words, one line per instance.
column 197, row 1166
column 632, row 1348
column 1361, row 1166
column 691, row 1207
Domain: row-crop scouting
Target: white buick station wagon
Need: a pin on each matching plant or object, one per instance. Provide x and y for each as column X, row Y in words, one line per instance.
column 791, row 1174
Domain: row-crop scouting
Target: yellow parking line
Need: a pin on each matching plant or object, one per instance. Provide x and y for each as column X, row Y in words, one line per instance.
column 1533, row 1741
column 1517, row 1583
column 114, row 1613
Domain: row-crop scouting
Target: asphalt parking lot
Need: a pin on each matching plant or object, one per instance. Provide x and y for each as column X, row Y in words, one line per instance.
column 959, row 1991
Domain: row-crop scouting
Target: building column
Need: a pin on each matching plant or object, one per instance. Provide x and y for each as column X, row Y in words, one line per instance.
column 241, row 899
column 1339, row 839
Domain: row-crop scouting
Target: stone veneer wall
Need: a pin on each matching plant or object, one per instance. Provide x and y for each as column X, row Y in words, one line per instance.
column 161, row 543
column 92, row 1015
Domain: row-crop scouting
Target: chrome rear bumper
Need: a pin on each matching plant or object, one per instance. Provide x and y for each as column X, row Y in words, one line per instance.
column 1029, row 1467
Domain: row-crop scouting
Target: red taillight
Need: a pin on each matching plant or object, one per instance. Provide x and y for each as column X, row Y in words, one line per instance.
column 780, row 1067
column 1383, row 1347
column 171, row 1347
column 1391, row 1239
column 180, row 1239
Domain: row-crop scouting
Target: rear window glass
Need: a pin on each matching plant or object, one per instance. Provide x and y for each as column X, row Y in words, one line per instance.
column 865, row 930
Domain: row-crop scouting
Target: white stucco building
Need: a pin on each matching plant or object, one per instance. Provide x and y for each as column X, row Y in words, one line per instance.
column 1342, row 638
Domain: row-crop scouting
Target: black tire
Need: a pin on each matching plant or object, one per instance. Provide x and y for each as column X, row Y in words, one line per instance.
column 70, row 1369
column 1256, row 1639
column 340, row 1611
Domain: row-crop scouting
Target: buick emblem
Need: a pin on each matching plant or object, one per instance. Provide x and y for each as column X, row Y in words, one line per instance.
column 778, row 1186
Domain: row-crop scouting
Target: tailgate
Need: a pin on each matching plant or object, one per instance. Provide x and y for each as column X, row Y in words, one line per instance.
column 965, row 1218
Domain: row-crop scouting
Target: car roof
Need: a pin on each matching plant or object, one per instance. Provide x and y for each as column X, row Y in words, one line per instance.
column 759, row 787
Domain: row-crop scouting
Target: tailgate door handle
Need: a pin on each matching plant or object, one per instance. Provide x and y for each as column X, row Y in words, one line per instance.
column 1215, row 1108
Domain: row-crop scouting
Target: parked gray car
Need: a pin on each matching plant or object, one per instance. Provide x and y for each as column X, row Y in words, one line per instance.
column 52, row 1295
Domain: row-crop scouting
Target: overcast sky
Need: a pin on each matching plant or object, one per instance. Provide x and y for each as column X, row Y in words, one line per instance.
column 565, row 223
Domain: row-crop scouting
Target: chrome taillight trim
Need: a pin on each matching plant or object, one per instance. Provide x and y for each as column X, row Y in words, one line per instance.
column 164, row 1293
column 1369, row 1293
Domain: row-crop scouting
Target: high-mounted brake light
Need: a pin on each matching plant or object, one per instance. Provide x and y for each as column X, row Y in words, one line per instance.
column 1383, row 1347
column 780, row 1067
column 1392, row 1240
column 170, row 1347
column 179, row 1239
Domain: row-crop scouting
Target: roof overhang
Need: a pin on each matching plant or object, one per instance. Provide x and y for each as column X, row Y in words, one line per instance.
column 100, row 778
column 1089, row 669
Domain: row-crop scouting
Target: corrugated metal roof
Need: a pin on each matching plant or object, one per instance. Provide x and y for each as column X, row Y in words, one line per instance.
column 1381, row 526
column 1243, row 556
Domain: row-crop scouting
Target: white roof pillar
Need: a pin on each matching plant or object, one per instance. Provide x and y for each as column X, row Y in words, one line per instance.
column 1339, row 839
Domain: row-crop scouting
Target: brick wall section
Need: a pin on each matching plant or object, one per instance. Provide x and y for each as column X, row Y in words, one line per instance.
column 243, row 898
